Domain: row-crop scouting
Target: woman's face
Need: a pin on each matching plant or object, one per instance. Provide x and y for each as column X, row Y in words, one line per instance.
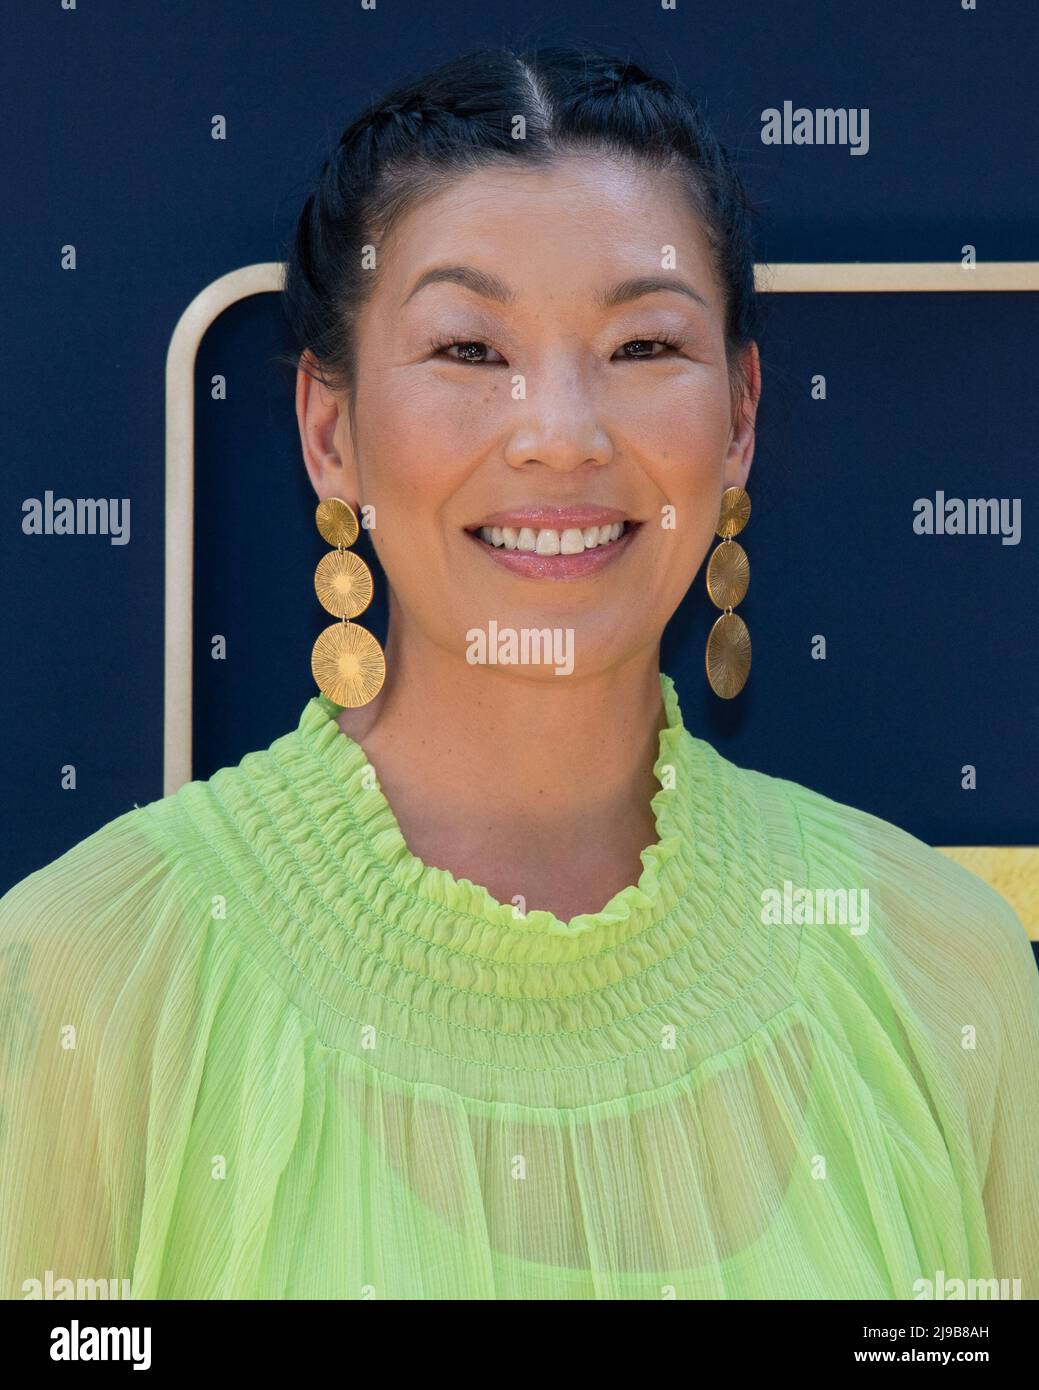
column 565, row 407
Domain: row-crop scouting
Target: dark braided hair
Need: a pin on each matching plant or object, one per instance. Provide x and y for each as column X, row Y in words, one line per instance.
column 462, row 117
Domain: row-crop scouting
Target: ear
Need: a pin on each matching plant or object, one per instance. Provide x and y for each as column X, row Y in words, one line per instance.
column 323, row 417
column 740, row 453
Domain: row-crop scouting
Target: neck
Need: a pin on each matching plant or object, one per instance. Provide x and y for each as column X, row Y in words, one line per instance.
column 487, row 767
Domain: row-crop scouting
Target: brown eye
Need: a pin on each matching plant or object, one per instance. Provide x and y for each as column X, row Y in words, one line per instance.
column 470, row 350
column 644, row 348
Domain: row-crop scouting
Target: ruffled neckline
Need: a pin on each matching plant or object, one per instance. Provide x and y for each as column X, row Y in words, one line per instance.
column 682, row 766
column 458, row 988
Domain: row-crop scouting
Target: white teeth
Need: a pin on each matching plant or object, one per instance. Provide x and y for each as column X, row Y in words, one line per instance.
column 545, row 541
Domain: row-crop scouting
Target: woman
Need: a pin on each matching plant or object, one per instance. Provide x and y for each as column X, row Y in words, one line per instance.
column 490, row 980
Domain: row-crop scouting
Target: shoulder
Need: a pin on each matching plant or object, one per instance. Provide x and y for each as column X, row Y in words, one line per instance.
column 128, row 902
column 89, row 945
column 929, row 921
column 839, row 838
column 76, row 928
column 117, row 853
column 151, row 873
column 150, row 842
column 903, row 952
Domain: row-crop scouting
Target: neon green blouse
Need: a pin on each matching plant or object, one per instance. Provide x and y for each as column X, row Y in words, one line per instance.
column 255, row 1048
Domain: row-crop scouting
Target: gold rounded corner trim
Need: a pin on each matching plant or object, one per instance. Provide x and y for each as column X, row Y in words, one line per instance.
column 192, row 326
column 814, row 277
column 895, row 277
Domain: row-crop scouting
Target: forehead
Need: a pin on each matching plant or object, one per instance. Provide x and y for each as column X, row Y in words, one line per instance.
column 580, row 221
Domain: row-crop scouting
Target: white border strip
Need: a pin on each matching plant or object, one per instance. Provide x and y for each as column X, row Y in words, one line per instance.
column 896, row 277
column 191, row 328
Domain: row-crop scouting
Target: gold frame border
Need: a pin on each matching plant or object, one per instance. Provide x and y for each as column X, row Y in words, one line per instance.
column 1012, row 871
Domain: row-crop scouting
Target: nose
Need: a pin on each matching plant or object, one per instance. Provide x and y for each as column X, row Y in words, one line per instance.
column 558, row 424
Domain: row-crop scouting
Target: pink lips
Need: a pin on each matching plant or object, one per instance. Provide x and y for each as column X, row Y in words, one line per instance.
column 533, row 566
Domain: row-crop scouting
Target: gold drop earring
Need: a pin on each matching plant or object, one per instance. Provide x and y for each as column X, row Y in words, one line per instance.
column 347, row 662
column 728, row 578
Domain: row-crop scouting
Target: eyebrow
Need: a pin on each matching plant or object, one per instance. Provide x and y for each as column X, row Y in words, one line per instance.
column 491, row 287
column 647, row 284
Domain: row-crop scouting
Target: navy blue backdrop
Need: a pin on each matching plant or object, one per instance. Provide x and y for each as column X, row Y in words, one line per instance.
column 106, row 143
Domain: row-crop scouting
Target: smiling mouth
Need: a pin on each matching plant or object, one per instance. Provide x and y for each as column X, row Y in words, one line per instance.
column 546, row 540
column 556, row 553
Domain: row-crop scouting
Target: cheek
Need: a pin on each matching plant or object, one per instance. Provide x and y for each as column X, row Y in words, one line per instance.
column 686, row 425
column 683, row 448
column 683, row 445
column 416, row 447
column 413, row 455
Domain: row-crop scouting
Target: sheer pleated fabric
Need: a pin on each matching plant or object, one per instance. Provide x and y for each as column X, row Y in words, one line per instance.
column 252, row 1047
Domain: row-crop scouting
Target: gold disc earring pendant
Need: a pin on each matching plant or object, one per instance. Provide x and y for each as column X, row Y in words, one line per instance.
column 348, row 665
column 728, row 577
column 337, row 521
column 343, row 583
column 347, row 662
